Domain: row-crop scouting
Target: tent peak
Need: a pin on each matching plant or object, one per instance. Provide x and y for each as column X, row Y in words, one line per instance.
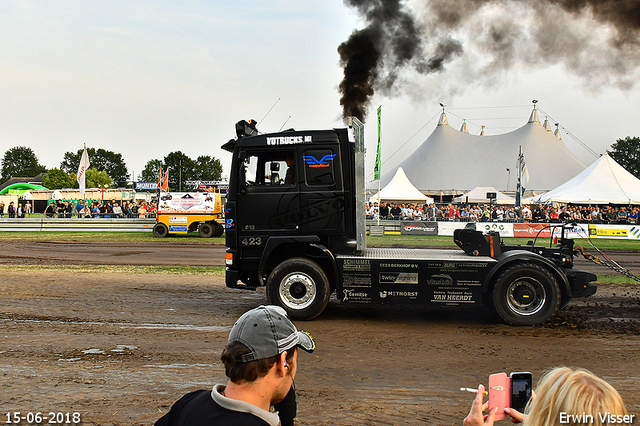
column 534, row 116
column 547, row 125
column 557, row 132
column 464, row 129
column 443, row 120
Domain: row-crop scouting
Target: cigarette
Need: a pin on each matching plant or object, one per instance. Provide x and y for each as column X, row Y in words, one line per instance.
column 473, row 390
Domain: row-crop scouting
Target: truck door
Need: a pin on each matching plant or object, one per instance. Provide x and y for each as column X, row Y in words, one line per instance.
column 268, row 192
column 322, row 197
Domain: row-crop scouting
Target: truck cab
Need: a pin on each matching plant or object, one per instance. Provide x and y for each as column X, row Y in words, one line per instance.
column 291, row 194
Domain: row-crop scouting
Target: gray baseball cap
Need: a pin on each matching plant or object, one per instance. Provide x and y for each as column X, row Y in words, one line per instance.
column 267, row 331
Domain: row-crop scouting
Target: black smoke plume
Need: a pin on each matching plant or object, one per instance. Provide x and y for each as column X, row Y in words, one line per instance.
column 597, row 40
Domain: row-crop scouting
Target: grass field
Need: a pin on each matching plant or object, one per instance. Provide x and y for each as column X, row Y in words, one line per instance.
column 145, row 237
column 374, row 241
column 443, row 241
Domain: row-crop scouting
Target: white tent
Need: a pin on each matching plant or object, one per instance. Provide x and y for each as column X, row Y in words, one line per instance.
column 479, row 195
column 454, row 160
column 401, row 189
column 603, row 182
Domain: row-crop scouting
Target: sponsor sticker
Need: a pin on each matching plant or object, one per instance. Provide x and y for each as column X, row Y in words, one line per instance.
column 289, row 140
column 178, row 228
column 441, row 280
column 350, row 295
column 393, row 293
column 357, row 281
column 399, row 265
column 356, row 265
column 177, row 219
column 398, row 277
column 452, row 297
column 323, row 162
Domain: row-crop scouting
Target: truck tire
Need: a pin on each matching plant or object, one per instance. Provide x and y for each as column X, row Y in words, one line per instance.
column 526, row 293
column 217, row 229
column 205, row 230
column 300, row 286
column 160, row 230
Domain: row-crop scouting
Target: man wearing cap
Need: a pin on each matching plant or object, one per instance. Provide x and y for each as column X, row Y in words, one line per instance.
column 260, row 362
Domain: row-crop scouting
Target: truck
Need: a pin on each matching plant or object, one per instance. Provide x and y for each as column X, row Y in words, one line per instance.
column 295, row 225
column 182, row 212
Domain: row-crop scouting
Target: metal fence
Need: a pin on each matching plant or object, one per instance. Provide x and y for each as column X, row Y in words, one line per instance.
column 75, row 224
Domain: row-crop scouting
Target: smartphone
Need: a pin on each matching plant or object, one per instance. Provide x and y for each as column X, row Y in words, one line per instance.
column 499, row 394
column 520, row 389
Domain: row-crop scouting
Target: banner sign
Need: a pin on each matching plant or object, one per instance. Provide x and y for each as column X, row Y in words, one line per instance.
column 622, row 232
column 505, row 229
column 418, row 227
column 447, row 228
column 146, row 185
column 531, row 230
column 190, row 202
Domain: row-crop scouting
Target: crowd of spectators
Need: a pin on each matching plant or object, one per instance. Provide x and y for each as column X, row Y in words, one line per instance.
column 13, row 210
column 504, row 213
column 103, row 209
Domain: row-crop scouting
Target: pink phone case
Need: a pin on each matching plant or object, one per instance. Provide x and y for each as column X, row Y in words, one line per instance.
column 499, row 393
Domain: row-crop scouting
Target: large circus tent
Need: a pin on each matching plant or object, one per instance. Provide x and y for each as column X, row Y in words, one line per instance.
column 457, row 161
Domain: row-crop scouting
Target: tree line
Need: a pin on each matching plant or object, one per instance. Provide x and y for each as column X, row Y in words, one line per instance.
column 108, row 169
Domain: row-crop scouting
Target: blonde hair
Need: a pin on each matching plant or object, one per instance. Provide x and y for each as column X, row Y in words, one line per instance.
column 573, row 392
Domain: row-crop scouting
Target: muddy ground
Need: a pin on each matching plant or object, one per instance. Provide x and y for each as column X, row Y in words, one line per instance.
column 120, row 348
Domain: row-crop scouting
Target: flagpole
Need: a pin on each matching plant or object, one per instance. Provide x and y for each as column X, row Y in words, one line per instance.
column 84, row 193
column 519, row 186
column 158, row 189
column 378, row 166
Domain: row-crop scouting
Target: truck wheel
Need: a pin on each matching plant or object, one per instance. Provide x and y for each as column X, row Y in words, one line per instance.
column 526, row 294
column 300, row 286
column 160, row 230
column 205, row 230
column 217, row 229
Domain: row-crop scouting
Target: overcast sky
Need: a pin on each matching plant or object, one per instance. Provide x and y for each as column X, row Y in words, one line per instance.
column 144, row 78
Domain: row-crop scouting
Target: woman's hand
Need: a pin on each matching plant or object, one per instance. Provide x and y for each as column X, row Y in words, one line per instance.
column 476, row 416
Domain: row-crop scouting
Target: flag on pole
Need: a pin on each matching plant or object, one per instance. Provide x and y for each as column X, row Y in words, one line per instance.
column 378, row 165
column 524, row 173
column 82, row 169
column 159, row 186
column 523, row 177
column 165, row 181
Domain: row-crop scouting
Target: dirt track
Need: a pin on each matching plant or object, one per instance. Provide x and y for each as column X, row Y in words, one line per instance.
column 205, row 254
column 121, row 348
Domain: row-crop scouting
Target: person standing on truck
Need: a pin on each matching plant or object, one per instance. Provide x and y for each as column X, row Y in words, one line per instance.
column 260, row 362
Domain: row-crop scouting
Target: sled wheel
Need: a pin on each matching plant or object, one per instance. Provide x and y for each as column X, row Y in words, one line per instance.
column 526, row 294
